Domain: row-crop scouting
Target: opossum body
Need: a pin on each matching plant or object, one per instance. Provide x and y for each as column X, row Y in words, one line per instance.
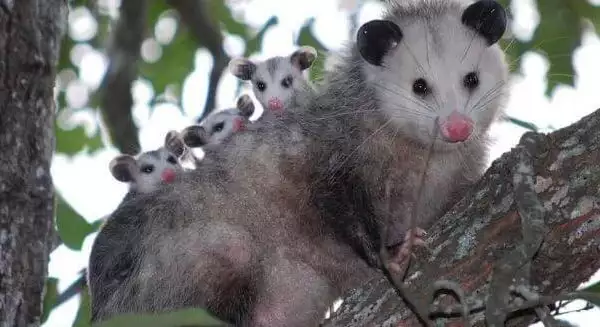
column 299, row 200
column 277, row 82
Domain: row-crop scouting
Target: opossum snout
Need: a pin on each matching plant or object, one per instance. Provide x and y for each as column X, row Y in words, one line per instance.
column 238, row 124
column 167, row 175
column 456, row 127
column 275, row 104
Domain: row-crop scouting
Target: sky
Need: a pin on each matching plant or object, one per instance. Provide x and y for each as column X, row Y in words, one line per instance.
column 85, row 181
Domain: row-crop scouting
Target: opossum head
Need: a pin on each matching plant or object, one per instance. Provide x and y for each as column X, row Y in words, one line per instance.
column 277, row 81
column 436, row 67
column 150, row 169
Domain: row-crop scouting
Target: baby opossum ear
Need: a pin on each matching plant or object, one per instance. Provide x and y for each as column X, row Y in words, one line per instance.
column 122, row 168
column 488, row 18
column 304, row 57
column 174, row 143
column 195, row 136
column 375, row 38
column 242, row 68
column 245, row 105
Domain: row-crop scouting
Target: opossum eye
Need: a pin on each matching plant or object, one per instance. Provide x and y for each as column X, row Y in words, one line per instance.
column 420, row 87
column 287, row 81
column 471, row 81
column 172, row 160
column 147, row 169
column 218, row 127
column 261, row 86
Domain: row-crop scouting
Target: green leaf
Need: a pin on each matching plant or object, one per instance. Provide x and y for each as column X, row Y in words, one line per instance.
column 186, row 317
column 594, row 288
column 72, row 228
column 306, row 37
column 522, row 123
column 84, row 316
column 255, row 43
column 177, row 58
column 75, row 140
column 221, row 11
column 50, row 296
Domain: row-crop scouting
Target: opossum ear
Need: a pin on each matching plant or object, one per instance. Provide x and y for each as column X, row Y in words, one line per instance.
column 174, row 143
column 488, row 18
column 304, row 57
column 245, row 105
column 123, row 167
column 242, row 68
column 375, row 38
column 195, row 136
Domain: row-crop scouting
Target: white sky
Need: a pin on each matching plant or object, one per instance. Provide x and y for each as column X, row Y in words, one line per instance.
column 86, row 183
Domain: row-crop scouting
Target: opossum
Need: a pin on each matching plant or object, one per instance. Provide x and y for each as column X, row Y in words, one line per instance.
column 277, row 82
column 151, row 169
column 299, row 200
column 220, row 125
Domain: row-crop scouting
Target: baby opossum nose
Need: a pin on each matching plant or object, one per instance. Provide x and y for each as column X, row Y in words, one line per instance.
column 275, row 104
column 238, row 124
column 456, row 127
column 168, row 175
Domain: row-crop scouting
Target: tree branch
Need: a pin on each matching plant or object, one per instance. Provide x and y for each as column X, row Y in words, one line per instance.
column 208, row 34
column 116, row 98
column 485, row 226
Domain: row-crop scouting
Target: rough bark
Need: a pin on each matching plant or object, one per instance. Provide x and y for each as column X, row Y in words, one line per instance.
column 30, row 37
column 485, row 228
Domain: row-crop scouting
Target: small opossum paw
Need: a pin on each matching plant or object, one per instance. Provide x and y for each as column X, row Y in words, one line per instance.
column 401, row 253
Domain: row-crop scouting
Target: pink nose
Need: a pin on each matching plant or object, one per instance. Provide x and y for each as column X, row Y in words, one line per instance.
column 238, row 124
column 457, row 127
column 168, row 175
column 275, row 104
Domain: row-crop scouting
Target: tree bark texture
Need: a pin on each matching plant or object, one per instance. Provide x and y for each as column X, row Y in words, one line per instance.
column 485, row 227
column 30, row 36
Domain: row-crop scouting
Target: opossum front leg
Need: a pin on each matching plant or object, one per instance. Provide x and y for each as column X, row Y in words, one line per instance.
column 400, row 239
column 291, row 294
column 401, row 253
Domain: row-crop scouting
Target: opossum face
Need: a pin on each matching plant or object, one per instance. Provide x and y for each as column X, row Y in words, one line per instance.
column 437, row 67
column 220, row 125
column 278, row 80
column 148, row 171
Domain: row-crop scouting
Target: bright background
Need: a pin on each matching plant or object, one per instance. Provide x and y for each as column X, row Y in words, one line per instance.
column 85, row 182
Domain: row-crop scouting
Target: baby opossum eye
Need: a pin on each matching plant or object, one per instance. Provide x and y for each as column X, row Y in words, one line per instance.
column 261, row 86
column 420, row 87
column 287, row 81
column 172, row 160
column 147, row 169
column 471, row 81
column 218, row 127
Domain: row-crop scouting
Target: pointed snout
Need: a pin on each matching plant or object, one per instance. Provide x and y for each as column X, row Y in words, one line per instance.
column 457, row 127
column 275, row 104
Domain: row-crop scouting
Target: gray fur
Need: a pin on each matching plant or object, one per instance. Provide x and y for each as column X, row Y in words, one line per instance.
column 272, row 73
column 299, row 200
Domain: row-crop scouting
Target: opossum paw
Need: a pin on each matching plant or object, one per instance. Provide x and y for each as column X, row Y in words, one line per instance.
column 402, row 253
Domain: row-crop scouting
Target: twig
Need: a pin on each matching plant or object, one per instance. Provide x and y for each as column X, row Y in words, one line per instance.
column 116, row 98
column 200, row 23
column 542, row 312
column 460, row 296
column 73, row 289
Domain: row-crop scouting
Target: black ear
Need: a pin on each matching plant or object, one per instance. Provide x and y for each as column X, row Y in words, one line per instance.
column 122, row 168
column 174, row 143
column 375, row 38
column 304, row 57
column 195, row 136
column 242, row 68
column 245, row 105
column 488, row 18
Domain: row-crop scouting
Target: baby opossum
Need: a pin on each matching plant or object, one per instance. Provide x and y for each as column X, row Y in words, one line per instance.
column 277, row 82
column 152, row 168
column 219, row 125
column 300, row 200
